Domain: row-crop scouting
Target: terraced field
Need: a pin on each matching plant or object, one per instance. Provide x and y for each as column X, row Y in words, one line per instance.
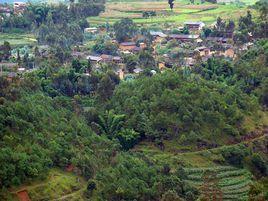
column 17, row 39
column 232, row 182
column 183, row 11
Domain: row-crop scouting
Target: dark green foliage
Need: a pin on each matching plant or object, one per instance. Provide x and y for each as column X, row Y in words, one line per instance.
column 146, row 60
column 249, row 73
column 81, row 66
column 253, row 28
column 164, row 106
column 91, row 185
column 252, row 70
column 128, row 138
column 125, row 29
column 131, row 62
column 110, row 124
column 259, row 164
column 235, row 155
column 38, row 132
column 103, row 46
column 131, row 178
column 55, row 116
column 5, row 51
column 107, row 85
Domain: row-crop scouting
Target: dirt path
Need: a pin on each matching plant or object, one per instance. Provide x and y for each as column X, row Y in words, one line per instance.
column 263, row 135
column 65, row 197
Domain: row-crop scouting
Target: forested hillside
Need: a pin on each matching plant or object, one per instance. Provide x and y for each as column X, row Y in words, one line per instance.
column 160, row 128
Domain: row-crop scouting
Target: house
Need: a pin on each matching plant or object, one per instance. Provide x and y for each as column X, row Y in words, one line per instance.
column 21, row 70
column 5, row 11
column 121, row 74
column 220, row 40
column 19, row 7
column 137, row 70
column 189, row 61
column 228, row 52
column 183, row 37
column 109, row 58
column 157, row 36
column 92, row 30
column 78, row 54
column 246, row 46
column 194, row 25
column 104, row 58
column 117, row 59
column 127, row 46
column 143, row 45
column 94, row 59
column 203, row 51
column 161, row 65
column 11, row 76
column 136, row 49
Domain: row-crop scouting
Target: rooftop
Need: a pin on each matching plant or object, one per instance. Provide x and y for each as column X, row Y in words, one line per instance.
column 183, row 36
column 195, row 23
column 94, row 58
column 127, row 43
column 158, row 33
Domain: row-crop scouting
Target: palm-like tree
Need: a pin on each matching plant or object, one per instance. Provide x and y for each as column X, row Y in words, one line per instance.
column 109, row 123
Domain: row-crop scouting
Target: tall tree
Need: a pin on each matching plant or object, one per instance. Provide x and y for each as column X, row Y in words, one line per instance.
column 125, row 29
column 110, row 124
column 171, row 4
column 5, row 51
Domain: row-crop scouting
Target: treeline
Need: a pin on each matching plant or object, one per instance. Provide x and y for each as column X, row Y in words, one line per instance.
column 246, row 29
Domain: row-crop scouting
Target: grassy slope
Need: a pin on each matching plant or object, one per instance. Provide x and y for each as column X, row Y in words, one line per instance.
column 19, row 39
column 58, row 185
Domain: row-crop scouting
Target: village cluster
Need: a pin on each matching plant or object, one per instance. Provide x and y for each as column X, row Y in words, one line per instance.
column 193, row 46
column 168, row 48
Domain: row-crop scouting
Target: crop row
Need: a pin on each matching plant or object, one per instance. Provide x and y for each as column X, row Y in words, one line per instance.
column 236, row 197
column 232, row 173
column 238, row 186
column 234, row 181
column 216, row 169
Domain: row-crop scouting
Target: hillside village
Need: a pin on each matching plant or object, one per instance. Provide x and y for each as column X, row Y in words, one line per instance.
column 132, row 100
column 191, row 34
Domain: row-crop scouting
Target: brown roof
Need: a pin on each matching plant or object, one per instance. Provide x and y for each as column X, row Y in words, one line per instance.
column 127, row 43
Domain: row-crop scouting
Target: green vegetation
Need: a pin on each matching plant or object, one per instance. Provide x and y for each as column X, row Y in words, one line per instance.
column 182, row 12
column 55, row 25
column 71, row 129
column 17, row 39
column 67, row 185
